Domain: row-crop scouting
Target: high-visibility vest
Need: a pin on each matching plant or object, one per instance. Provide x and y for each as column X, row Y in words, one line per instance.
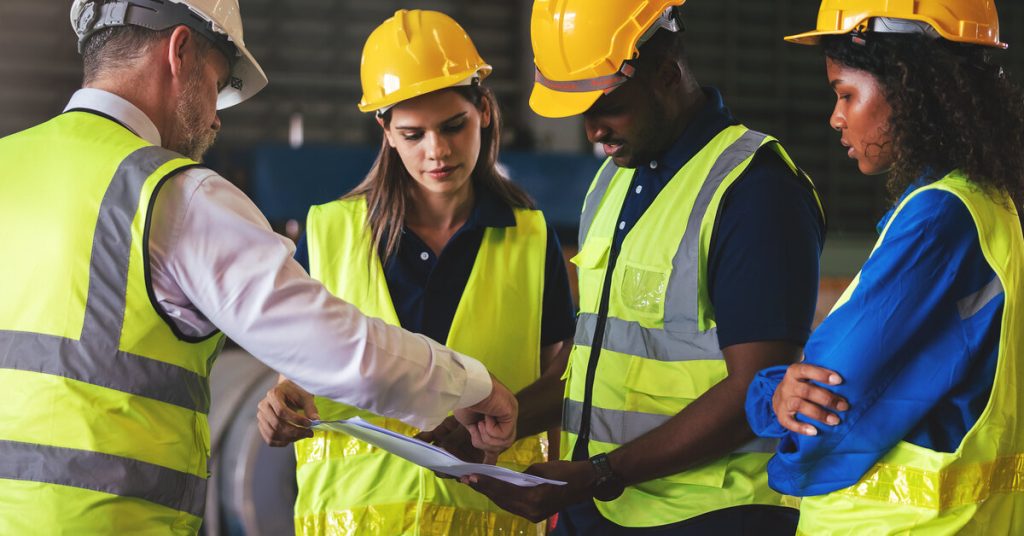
column 660, row 347
column 979, row 488
column 103, row 428
column 349, row 487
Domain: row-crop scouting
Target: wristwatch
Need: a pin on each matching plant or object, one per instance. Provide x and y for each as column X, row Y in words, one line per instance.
column 608, row 486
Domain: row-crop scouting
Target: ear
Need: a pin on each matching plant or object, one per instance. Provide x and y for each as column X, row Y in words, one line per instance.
column 485, row 113
column 387, row 133
column 179, row 44
column 669, row 75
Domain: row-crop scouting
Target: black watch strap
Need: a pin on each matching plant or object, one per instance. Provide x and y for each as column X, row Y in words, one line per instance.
column 608, row 486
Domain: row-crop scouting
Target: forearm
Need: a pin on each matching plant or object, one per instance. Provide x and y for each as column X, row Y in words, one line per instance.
column 540, row 403
column 711, row 427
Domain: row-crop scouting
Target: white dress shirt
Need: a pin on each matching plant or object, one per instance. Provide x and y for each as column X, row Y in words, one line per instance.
column 216, row 264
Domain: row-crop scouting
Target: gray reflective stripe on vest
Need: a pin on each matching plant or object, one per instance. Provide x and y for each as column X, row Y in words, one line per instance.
column 103, row 472
column 593, row 201
column 681, row 295
column 621, row 427
column 680, row 340
column 95, row 357
column 631, row 338
column 973, row 304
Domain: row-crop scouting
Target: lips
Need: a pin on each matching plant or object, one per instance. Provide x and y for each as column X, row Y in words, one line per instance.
column 849, row 148
column 611, row 149
column 441, row 172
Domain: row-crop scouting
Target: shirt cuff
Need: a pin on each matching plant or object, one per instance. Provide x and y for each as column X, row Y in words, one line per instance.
column 478, row 381
column 760, row 414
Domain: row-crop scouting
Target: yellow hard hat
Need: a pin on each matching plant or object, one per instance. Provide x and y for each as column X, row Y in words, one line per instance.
column 413, row 53
column 964, row 21
column 580, row 47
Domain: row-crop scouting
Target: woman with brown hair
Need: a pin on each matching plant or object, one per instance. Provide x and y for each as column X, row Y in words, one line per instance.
column 436, row 240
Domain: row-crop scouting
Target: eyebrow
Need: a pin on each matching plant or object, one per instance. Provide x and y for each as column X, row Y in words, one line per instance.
column 446, row 121
column 835, row 82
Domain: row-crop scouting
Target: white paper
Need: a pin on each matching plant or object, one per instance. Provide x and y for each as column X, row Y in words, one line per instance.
column 426, row 455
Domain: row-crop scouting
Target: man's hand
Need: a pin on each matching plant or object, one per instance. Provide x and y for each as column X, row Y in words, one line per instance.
column 540, row 502
column 492, row 421
column 453, row 437
column 795, row 394
column 279, row 422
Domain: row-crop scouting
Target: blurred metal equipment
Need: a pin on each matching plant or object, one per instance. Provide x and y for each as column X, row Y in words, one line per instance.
column 252, row 488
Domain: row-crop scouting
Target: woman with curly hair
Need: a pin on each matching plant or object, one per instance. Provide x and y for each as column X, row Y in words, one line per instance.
column 904, row 415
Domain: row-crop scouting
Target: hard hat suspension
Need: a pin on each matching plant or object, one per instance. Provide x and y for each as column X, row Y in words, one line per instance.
column 155, row 15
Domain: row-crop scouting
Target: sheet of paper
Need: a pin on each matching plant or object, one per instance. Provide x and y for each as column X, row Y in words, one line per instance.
column 426, row 455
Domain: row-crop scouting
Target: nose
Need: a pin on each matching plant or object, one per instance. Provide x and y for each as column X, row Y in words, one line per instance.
column 216, row 123
column 838, row 120
column 438, row 147
column 596, row 130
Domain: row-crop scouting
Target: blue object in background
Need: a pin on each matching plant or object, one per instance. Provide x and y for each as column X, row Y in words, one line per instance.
column 285, row 182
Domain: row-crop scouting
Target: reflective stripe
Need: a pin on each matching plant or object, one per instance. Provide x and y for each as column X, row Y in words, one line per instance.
column 682, row 292
column 423, row 517
column 631, row 338
column 129, row 373
column 593, row 201
column 598, row 83
column 974, row 303
column 106, row 473
column 95, row 357
column 621, row 427
column 940, row 490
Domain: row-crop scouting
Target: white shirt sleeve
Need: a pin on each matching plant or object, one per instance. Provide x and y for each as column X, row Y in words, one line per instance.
column 216, row 263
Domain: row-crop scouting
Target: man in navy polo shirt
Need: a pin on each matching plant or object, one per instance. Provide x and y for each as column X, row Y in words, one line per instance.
column 698, row 267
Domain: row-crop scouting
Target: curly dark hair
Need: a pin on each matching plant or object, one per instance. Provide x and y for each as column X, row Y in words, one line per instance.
column 952, row 108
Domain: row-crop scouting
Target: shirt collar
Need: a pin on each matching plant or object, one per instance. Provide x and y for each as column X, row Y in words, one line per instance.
column 118, row 109
column 925, row 179
column 713, row 118
column 489, row 210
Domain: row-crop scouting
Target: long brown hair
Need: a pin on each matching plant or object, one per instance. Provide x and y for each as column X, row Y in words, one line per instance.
column 386, row 186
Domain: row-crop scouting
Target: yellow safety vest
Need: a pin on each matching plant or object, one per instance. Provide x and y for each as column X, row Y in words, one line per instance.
column 660, row 345
column 349, row 487
column 979, row 489
column 103, row 428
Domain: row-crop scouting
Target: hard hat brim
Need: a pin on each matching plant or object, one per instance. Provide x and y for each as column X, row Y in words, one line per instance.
column 248, row 70
column 427, row 86
column 811, row 38
column 547, row 102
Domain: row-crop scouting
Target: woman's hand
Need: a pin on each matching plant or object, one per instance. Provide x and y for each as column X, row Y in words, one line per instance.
column 795, row 394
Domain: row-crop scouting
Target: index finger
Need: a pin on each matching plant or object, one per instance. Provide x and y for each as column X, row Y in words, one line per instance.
column 286, row 414
column 804, row 371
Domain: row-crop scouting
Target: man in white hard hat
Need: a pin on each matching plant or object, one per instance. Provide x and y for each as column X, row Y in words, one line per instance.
column 141, row 262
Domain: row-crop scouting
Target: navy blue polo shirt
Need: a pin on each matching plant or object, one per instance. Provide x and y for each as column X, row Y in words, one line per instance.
column 763, row 262
column 426, row 288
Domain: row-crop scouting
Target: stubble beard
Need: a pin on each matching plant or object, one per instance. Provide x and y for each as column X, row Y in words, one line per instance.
column 195, row 134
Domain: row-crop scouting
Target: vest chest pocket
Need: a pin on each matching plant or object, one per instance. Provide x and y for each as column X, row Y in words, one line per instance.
column 641, row 292
column 591, row 263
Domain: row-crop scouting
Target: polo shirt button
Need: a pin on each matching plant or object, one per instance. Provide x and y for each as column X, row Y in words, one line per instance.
column 622, row 225
column 639, row 188
column 425, row 256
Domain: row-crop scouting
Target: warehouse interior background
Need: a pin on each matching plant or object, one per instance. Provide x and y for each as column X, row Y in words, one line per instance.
column 302, row 141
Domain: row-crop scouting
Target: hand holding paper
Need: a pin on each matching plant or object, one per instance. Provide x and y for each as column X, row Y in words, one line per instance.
column 425, row 454
column 492, row 421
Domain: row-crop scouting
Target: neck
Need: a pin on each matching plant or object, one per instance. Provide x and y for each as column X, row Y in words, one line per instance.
column 691, row 101
column 146, row 94
column 440, row 211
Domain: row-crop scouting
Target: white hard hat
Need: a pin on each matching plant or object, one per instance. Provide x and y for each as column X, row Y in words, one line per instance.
column 218, row 20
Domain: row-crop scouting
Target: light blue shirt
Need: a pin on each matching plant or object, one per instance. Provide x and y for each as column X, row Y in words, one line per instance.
column 916, row 345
